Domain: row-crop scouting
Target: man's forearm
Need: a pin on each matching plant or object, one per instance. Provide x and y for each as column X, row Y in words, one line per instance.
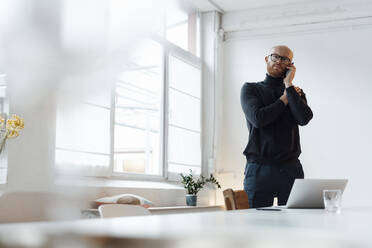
column 257, row 114
column 299, row 108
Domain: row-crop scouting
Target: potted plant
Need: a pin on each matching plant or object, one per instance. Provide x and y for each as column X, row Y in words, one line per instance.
column 193, row 186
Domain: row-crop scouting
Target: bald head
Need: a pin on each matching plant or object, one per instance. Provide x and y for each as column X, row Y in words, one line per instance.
column 278, row 68
column 283, row 51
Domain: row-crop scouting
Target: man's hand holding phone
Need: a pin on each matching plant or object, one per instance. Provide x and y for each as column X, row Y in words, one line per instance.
column 289, row 75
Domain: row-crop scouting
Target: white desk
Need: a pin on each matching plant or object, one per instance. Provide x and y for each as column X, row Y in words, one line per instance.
column 289, row 228
column 93, row 213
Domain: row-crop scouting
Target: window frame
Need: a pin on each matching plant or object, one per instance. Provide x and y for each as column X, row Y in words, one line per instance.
column 196, row 62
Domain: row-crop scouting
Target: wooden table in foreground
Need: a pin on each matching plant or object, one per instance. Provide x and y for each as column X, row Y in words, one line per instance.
column 241, row 228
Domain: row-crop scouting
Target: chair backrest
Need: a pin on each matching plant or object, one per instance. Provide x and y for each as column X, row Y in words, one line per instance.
column 121, row 210
column 27, row 206
column 235, row 199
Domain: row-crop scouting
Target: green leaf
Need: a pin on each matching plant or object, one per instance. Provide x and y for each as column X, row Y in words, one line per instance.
column 193, row 186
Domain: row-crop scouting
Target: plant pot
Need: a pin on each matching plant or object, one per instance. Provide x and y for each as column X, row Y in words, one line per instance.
column 191, row 200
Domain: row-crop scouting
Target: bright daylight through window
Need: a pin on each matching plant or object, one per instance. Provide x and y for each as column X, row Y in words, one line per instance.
column 138, row 99
column 147, row 121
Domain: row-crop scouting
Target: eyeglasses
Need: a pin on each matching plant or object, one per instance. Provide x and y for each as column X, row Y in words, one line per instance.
column 275, row 58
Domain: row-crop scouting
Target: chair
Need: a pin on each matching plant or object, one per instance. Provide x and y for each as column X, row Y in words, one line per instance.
column 121, row 210
column 235, row 199
column 32, row 206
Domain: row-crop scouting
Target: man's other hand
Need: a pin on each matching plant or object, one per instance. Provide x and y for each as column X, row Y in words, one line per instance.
column 298, row 90
column 284, row 98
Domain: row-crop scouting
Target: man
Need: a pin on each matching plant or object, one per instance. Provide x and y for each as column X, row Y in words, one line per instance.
column 273, row 109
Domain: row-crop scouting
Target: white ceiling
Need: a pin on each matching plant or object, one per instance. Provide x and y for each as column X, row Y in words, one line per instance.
column 237, row 5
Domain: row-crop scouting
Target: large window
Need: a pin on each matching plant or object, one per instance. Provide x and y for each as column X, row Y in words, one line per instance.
column 145, row 122
column 146, row 140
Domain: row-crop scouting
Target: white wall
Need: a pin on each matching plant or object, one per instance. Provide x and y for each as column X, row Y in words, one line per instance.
column 333, row 68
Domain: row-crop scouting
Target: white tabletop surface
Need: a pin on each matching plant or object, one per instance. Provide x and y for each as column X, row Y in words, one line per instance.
column 289, row 227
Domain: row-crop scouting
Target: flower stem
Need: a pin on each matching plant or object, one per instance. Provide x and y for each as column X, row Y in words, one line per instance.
column 3, row 142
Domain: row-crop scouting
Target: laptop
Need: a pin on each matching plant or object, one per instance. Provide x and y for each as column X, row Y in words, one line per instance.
column 308, row 193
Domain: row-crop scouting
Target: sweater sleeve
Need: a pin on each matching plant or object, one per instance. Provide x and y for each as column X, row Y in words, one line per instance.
column 298, row 106
column 255, row 112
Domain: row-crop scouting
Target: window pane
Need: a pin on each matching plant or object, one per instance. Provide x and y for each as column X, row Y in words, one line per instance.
column 136, row 95
column 130, row 161
column 83, row 127
column 179, row 35
column 141, row 120
column 4, row 103
column 184, row 147
column 72, row 161
column 131, row 137
column 2, row 85
column 3, row 175
column 127, row 19
column 177, row 27
column 182, row 28
column 92, row 88
column 184, row 144
column 184, row 77
column 138, row 110
column 175, row 15
column 184, row 110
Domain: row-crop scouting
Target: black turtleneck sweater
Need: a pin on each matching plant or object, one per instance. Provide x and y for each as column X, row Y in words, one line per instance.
column 273, row 126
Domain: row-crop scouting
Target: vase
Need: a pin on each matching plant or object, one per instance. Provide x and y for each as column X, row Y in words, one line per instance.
column 191, row 200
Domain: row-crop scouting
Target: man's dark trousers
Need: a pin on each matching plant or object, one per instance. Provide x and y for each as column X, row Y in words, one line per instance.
column 263, row 182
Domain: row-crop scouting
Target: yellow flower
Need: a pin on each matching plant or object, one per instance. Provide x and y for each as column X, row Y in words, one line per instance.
column 18, row 122
column 2, row 120
column 12, row 128
column 13, row 133
column 15, row 123
column 9, row 124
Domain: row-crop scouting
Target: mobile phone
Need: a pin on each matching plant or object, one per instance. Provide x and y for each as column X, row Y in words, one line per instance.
column 288, row 71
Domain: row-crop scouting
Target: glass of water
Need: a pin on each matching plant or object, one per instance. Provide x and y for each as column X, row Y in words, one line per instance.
column 332, row 200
